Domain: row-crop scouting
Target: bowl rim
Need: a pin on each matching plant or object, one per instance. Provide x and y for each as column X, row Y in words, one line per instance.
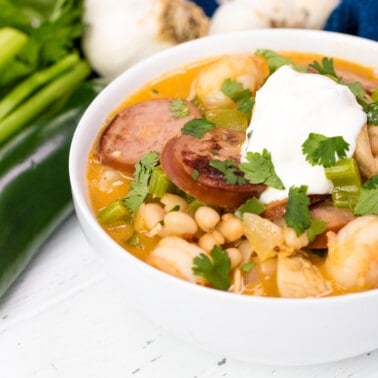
column 76, row 168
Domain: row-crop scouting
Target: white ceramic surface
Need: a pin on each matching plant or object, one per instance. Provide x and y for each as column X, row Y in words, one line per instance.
column 264, row 330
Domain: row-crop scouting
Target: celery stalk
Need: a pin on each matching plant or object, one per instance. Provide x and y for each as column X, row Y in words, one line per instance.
column 44, row 98
column 11, row 42
column 33, row 83
column 228, row 118
column 346, row 181
column 112, row 213
column 159, row 182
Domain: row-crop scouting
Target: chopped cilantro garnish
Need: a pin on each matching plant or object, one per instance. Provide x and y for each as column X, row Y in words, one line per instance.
column 198, row 127
column 259, row 169
column 372, row 113
column 245, row 105
column 195, row 174
column 139, row 186
column 216, row 270
column 234, row 90
column 322, row 150
column 253, row 205
column 316, row 228
column 247, row 267
column 273, row 59
column 297, row 214
column 367, row 202
column 178, row 108
column 356, row 88
column 325, row 68
column 230, row 173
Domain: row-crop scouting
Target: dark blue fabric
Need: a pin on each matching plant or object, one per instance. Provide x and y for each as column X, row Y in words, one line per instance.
column 357, row 17
column 208, row 6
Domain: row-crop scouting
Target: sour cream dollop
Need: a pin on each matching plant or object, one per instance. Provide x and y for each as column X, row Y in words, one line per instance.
column 290, row 106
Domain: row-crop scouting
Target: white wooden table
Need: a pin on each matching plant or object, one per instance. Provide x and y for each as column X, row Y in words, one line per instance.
column 65, row 318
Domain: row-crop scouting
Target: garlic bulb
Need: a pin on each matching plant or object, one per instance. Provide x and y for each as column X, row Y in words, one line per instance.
column 122, row 32
column 234, row 15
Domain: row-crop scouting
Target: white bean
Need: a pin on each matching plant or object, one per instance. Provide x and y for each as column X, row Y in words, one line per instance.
column 179, row 223
column 210, row 239
column 153, row 214
column 206, row 218
column 235, row 257
column 173, row 201
column 230, row 227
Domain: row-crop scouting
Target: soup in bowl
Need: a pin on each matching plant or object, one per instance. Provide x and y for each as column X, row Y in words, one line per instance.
column 230, row 184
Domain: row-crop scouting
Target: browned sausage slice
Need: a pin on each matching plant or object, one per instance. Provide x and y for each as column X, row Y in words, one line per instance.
column 184, row 155
column 138, row 129
column 335, row 219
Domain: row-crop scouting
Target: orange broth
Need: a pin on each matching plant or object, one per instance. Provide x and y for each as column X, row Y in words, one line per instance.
column 177, row 84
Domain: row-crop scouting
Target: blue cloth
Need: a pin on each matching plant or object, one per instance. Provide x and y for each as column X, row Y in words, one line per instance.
column 208, row 6
column 356, row 17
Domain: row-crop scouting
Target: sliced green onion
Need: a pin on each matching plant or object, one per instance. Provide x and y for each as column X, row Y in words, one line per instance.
column 346, row 181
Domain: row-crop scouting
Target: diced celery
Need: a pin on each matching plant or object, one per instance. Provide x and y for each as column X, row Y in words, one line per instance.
column 346, row 181
column 228, row 118
column 112, row 213
column 159, row 182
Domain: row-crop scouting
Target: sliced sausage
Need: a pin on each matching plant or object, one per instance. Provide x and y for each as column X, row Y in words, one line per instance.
column 184, row 155
column 320, row 208
column 335, row 219
column 276, row 209
column 139, row 129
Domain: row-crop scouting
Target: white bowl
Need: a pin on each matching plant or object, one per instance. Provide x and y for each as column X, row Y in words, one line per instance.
column 274, row 331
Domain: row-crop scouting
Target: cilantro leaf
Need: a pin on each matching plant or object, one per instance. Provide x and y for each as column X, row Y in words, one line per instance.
column 367, row 202
column 322, row 150
column 139, row 186
column 297, row 214
column 259, row 169
column 253, row 205
column 317, row 227
column 230, row 173
column 216, row 270
column 198, row 127
column 234, row 90
column 245, row 105
column 325, row 68
column 372, row 113
column 356, row 88
column 247, row 267
column 195, row 174
column 273, row 59
column 178, row 108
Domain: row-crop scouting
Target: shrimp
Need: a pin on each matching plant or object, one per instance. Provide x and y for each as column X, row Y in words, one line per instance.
column 352, row 260
column 249, row 71
column 298, row 277
column 174, row 255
